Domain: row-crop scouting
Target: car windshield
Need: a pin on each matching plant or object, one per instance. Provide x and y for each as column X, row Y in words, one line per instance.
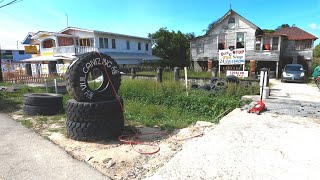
column 293, row 68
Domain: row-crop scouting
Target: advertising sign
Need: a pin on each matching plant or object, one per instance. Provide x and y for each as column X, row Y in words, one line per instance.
column 228, row 57
column 30, row 49
column 34, row 69
column 62, row 68
column 44, row 68
column 238, row 73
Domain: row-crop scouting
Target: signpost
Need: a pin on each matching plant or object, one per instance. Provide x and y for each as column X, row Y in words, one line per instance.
column 232, row 57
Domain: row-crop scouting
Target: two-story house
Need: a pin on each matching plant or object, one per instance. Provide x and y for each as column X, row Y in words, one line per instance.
column 11, row 57
column 64, row 46
column 271, row 50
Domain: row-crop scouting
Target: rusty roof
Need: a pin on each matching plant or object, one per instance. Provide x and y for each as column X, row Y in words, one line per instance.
column 295, row 33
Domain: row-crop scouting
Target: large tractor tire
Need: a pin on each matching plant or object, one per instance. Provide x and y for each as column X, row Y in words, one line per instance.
column 99, row 66
column 93, row 111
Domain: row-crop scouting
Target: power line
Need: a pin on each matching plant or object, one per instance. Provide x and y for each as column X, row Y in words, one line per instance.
column 12, row 2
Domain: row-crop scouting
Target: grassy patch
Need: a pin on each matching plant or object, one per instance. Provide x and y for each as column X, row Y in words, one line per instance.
column 167, row 105
column 26, row 123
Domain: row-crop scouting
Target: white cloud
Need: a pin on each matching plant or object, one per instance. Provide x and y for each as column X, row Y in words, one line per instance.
column 313, row 26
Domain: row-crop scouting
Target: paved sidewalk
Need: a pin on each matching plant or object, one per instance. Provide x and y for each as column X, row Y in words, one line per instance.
column 25, row 155
column 282, row 143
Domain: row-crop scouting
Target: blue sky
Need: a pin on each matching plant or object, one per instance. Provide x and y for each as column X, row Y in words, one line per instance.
column 140, row 17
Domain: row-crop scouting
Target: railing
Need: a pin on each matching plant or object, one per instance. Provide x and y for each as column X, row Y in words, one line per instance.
column 72, row 50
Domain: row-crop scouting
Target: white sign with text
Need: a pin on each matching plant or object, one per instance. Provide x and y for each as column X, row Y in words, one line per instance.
column 238, row 73
column 228, row 57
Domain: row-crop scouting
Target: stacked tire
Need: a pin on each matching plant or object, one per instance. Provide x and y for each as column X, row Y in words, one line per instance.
column 94, row 114
column 42, row 104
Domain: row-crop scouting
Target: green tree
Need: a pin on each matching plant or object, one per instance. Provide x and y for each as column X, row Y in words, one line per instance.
column 173, row 47
column 284, row 26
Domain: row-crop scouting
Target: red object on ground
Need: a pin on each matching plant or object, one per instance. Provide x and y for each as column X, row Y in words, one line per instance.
column 258, row 108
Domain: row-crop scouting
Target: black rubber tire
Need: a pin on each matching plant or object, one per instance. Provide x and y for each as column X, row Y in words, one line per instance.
column 232, row 79
column 205, row 87
column 84, row 131
column 213, row 80
column 221, row 84
column 195, row 86
column 42, row 99
column 92, row 111
column 41, row 110
column 113, row 126
column 110, row 128
column 78, row 71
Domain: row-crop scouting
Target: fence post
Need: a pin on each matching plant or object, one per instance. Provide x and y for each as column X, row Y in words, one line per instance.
column 46, row 84
column 159, row 74
column 55, row 86
column 133, row 73
column 176, row 71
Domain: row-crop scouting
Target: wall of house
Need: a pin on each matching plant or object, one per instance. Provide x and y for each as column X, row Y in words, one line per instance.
column 289, row 51
column 15, row 55
column 210, row 41
column 121, row 44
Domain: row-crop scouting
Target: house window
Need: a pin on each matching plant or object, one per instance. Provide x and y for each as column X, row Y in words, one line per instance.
column 103, row 43
column 128, row 45
column 231, row 22
column 222, row 42
column 258, row 43
column 302, row 45
column 275, row 43
column 139, row 46
column 240, row 40
column 113, row 43
column 65, row 41
column 49, row 43
column 147, row 47
column 200, row 47
column 21, row 52
column 86, row 42
column 266, row 43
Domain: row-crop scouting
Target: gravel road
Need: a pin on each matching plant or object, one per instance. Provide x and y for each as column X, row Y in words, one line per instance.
column 282, row 143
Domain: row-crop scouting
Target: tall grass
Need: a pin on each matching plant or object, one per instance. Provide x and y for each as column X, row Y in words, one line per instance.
column 168, row 105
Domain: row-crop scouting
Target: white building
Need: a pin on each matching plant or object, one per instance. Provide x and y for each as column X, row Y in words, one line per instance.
column 64, row 46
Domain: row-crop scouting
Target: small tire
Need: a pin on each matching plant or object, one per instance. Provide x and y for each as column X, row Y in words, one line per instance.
column 213, row 80
column 232, row 79
column 205, row 87
column 41, row 110
column 90, row 63
column 42, row 99
column 195, row 86
column 92, row 111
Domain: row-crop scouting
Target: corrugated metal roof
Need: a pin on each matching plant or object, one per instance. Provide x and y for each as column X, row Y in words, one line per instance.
column 295, row 33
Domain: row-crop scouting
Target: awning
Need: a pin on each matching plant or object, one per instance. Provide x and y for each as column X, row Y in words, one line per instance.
column 132, row 56
column 45, row 58
column 122, row 61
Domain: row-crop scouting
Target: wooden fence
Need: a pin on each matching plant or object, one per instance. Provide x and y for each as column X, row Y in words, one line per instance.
column 20, row 78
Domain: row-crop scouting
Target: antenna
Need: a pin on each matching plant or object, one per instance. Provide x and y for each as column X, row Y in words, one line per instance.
column 67, row 19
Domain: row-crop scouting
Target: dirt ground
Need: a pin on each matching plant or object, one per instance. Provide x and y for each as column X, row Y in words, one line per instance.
column 113, row 158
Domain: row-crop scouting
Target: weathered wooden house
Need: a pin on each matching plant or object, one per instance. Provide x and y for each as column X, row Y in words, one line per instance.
column 271, row 50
